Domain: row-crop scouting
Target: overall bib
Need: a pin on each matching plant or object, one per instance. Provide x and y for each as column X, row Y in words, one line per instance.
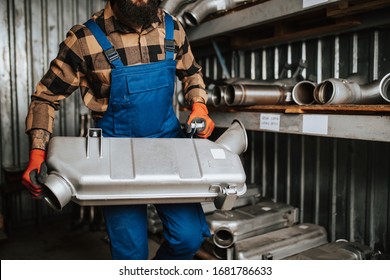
column 140, row 105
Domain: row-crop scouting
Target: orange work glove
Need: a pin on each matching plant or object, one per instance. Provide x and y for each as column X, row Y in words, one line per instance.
column 200, row 114
column 34, row 173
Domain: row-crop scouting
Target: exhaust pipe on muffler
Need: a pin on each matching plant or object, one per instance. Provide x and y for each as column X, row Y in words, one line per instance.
column 203, row 8
column 350, row 91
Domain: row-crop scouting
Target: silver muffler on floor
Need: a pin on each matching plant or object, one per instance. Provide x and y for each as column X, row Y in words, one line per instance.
column 98, row 170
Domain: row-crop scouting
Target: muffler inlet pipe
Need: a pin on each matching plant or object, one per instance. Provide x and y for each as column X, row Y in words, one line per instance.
column 303, row 93
column 246, row 95
column 345, row 91
column 203, row 8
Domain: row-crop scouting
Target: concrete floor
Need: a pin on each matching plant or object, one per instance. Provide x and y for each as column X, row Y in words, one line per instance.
column 59, row 240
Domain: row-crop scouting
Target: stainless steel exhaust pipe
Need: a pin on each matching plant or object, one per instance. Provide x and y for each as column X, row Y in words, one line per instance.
column 234, row 139
column 246, row 95
column 203, row 8
column 349, row 91
column 110, row 171
column 303, row 93
column 218, row 96
column 384, row 87
column 172, row 7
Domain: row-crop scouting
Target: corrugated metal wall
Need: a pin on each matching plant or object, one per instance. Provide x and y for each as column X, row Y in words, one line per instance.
column 31, row 31
column 341, row 184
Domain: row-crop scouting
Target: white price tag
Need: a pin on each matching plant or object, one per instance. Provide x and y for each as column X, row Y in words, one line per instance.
column 270, row 122
column 315, row 124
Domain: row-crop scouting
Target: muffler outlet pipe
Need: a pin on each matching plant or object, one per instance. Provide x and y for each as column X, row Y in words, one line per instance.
column 234, row 138
column 58, row 191
column 303, row 93
column 223, row 238
column 247, row 95
column 344, row 91
column 203, row 8
column 172, row 7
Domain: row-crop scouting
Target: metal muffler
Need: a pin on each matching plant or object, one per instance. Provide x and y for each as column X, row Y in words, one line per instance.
column 229, row 227
column 281, row 243
column 99, row 170
column 350, row 91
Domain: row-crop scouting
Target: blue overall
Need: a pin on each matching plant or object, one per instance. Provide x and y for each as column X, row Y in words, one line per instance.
column 140, row 105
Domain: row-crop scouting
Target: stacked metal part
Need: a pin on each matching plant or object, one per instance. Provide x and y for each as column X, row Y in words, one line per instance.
column 247, row 92
column 338, row 250
column 193, row 12
column 352, row 90
column 270, row 230
column 230, row 227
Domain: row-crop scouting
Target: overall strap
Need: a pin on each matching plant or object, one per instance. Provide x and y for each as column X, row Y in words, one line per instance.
column 110, row 52
column 169, row 38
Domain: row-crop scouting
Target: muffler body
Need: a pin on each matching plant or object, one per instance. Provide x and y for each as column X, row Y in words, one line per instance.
column 281, row 243
column 229, row 227
column 108, row 171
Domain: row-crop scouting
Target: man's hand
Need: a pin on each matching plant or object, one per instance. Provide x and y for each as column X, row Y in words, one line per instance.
column 200, row 114
column 35, row 172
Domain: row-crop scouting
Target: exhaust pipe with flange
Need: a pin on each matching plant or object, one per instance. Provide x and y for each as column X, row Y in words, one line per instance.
column 349, row 91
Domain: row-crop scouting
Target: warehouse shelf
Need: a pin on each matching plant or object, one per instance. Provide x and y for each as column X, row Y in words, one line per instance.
column 372, row 123
column 261, row 13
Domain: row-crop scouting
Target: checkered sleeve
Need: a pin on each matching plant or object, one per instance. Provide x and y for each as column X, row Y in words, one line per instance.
column 187, row 70
column 60, row 81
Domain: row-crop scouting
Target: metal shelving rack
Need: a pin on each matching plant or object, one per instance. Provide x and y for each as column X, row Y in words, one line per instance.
column 372, row 124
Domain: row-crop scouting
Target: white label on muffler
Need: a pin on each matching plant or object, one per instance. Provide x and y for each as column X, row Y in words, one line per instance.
column 218, row 153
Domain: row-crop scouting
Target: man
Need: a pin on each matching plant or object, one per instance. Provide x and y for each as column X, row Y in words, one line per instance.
column 124, row 60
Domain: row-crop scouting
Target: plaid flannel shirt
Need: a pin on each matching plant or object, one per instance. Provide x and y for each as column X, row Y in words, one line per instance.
column 81, row 63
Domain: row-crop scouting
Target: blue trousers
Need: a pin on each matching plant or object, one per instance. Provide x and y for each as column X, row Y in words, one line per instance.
column 184, row 230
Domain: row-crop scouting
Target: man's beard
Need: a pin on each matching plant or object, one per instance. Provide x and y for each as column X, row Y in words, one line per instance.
column 139, row 14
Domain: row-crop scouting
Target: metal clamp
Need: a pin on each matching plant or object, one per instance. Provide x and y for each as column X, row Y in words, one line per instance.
column 227, row 199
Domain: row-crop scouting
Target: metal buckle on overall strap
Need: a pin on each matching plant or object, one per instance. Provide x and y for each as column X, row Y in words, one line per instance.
column 169, row 45
column 111, row 54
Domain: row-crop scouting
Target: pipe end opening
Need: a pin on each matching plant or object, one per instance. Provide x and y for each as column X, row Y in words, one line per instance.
column 223, row 238
column 385, row 87
column 230, row 95
column 327, row 92
column 303, row 93
column 216, row 98
column 190, row 19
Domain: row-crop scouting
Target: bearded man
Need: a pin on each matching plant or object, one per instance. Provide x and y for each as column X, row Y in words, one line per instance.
column 125, row 60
